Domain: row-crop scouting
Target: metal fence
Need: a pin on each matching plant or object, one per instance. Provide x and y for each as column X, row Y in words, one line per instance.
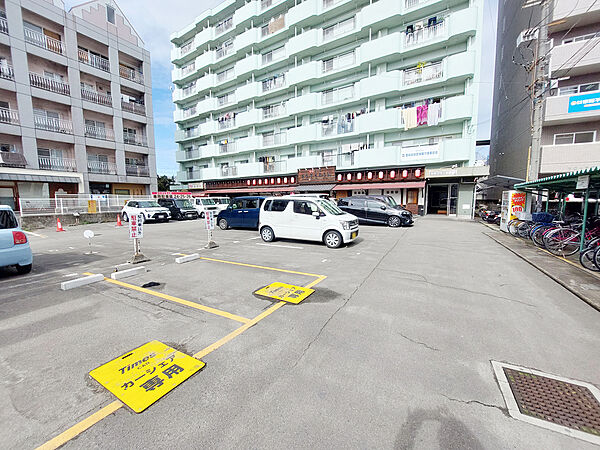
column 75, row 203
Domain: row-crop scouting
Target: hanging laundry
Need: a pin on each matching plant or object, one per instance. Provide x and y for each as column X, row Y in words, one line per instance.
column 409, row 115
column 422, row 115
column 433, row 115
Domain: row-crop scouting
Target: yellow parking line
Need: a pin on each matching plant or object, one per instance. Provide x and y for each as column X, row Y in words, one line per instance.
column 80, row 427
column 315, row 282
column 207, row 309
column 262, row 267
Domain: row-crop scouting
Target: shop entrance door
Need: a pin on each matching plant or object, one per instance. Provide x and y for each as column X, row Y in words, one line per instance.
column 452, row 199
column 442, row 199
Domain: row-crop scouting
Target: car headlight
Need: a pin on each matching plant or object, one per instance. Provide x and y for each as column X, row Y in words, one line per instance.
column 345, row 224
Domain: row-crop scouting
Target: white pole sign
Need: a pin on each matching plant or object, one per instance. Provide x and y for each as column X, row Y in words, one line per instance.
column 210, row 220
column 136, row 226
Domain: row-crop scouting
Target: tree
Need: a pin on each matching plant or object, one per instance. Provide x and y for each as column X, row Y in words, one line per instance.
column 164, row 182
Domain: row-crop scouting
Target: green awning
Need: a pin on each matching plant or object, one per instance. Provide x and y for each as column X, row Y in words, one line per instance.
column 564, row 182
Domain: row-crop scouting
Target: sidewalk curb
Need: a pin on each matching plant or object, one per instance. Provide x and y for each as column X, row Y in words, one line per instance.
column 548, row 274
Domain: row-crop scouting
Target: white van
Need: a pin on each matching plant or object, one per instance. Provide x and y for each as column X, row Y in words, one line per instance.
column 203, row 204
column 221, row 202
column 306, row 218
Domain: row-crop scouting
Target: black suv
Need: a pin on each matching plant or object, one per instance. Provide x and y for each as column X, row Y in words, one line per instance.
column 181, row 208
column 374, row 209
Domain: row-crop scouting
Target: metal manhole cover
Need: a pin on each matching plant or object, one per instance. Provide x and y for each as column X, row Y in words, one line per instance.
column 568, row 406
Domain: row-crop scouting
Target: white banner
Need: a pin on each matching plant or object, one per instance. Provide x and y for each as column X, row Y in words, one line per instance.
column 136, row 226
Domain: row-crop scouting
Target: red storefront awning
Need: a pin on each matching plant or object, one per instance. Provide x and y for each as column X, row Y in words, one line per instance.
column 246, row 190
column 398, row 185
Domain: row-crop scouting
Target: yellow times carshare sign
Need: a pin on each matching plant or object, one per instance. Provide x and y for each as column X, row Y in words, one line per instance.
column 143, row 375
column 286, row 292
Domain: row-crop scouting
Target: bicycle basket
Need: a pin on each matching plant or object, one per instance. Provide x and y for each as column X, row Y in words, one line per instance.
column 542, row 217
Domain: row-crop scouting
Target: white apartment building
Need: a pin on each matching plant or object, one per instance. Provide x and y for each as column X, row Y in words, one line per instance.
column 346, row 96
column 75, row 102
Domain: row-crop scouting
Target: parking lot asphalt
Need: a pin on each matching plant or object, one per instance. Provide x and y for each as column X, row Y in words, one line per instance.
column 392, row 350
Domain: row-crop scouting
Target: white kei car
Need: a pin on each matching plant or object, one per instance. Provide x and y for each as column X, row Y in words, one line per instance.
column 150, row 210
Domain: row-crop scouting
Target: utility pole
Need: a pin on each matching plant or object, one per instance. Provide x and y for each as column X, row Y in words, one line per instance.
column 539, row 88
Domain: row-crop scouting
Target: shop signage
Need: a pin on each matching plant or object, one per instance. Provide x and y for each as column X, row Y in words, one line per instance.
column 136, row 226
column 195, row 185
column 587, row 102
column 318, row 175
column 421, row 152
column 441, row 173
column 517, row 204
column 583, row 182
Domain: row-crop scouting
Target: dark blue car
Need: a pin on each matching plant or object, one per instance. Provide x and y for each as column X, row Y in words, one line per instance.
column 242, row 212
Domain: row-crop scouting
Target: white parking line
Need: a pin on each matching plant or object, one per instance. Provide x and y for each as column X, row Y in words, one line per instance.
column 43, row 236
column 252, row 238
column 280, row 246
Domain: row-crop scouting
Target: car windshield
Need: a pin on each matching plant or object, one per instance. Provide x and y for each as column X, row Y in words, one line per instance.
column 207, row 201
column 7, row 219
column 184, row 203
column 222, row 201
column 330, row 207
column 148, row 205
column 391, row 200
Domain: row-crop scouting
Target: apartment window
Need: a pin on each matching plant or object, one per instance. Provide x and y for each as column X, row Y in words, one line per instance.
column 50, row 153
column 275, row 24
column 225, row 49
column 339, row 28
column 585, row 37
column 53, row 76
column 225, row 75
column 570, row 90
column 273, row 55
column 110, row 14
column 580, row 137
column 338, row 62
column 226, row 99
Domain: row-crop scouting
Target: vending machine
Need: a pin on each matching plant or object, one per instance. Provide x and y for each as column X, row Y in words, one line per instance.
column 514, row 203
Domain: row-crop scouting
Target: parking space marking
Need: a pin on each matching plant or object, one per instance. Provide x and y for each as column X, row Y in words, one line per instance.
column 181, row 301
column 43, row 236
column 279, row 245
column 80, row 427
column 262, row 267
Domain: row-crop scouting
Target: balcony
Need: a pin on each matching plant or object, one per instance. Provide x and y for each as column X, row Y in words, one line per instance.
column 3, row 25
column 273, row 83
column 564, row 109
column 409, row 4
column 133, row 107
column 229, row 171
column 424, row 35
column 43, row 41
column 274, row 167
column 274, row 111
column 106, row 134
column 190, row 175
column 59, row 164
column 224, row 50
column 337, row 128
column 222, row 27
column 569, row 157
column 135, row 170
column 339, row 29
column 563, row 63
column 52, row 124
column 99, row 62
column 225, row 124
column 48, row 84
column 96, row 97
column 330, row 3
column 274, row 139
column 337, row 95
column 186, row 70
column 10, row 116
column 422, row 74
column 12, row 159
column 135, row 139
column 181, row 135
column 6, row 72
column 228, row 147
column 131, row 74
column 339, row 62
column 102, row 167
column 188, row 155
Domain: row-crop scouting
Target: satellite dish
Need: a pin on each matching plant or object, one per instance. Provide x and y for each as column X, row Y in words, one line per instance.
column 88, row 234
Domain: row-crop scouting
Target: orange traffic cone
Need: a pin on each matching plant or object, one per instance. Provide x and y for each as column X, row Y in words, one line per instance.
column 59, row 225
column 119, row 224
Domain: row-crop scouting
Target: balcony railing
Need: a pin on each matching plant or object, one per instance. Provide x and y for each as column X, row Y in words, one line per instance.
column 48, row 84
column 106, row 134
column 12, row 159
column 136, row 108
column 96, row 97
column 107, row 168
column 186, row 48
column 6, row 72
column 338, row 62
column 225, row 75
column 186, row 134
column 271, row 112
column 276, row 166
column 227, row 148
column 424, row 34
column 229, row 171
column 224, row 50
column 274, row 139
column 273, row 83
column 10, row 116
column 135, row 139
column 96, row 61
column 340, row 127
column 226, row 100
column 130, row 74
column 41, row 40
column 224, row 26
column 189, row 175
column 337, row 95
column 188, row 69
column 137, row 171
column 52, row 124
column 227, row 123
column 422, row 74
column 3, row 25
column 338, row 29
column 53, row 163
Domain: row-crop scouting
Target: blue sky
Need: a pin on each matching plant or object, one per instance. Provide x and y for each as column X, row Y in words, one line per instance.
column 155, row 20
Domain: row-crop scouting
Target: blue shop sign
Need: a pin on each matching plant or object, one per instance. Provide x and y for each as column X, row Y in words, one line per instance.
column 587, row 102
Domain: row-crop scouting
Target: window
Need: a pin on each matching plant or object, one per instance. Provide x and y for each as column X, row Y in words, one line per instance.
column 343, row 202
column 7, row 220
column 53, row 76
column 357, row 202
column 278, row 205
column 110, row 14
column 304, row 207
column 570, row 90
column 251, row 203
column 580, row 137
column 374, row 205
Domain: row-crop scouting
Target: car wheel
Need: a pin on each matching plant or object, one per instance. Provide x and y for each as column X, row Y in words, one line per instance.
column 267, row 234
column 223, row 225
column 333, row 239
column 23, row 269
column 125, row 218
column 394, row 221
